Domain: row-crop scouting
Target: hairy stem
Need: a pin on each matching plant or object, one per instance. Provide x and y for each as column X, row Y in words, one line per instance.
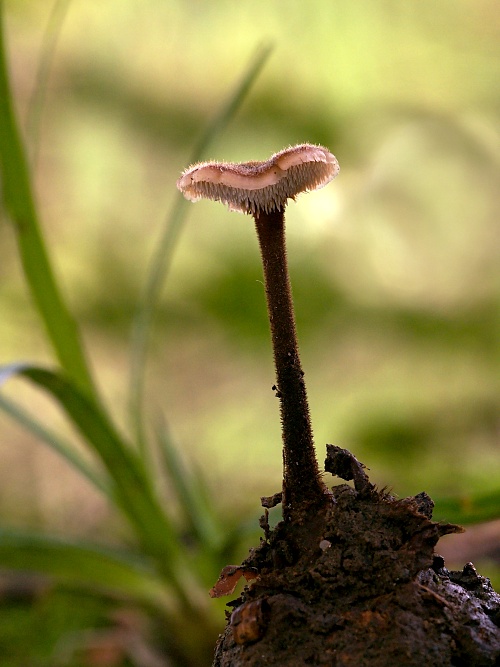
column 302, row 484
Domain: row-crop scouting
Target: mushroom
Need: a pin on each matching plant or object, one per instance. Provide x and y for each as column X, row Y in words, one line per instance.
column 262, row 190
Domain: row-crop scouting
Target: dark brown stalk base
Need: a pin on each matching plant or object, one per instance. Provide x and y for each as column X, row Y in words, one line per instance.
column 302, row 483
column 360, row 585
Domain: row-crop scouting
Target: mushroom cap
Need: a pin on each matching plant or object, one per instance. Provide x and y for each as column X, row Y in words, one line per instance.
column 254, row 187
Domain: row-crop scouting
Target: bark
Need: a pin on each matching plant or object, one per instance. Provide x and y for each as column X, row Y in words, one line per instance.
column 359, row 584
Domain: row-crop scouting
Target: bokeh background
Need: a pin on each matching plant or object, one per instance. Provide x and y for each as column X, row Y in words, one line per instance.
column 395, row 265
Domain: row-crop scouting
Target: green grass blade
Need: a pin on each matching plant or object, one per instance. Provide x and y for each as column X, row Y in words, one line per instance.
column 20, row 207
column 49, row 43
column 162, row 258
column 468, row 509
column 234, row 102
column 143, row 319
column 200, row 516
column 55, row 442
column 82, row 565
column 132, row 488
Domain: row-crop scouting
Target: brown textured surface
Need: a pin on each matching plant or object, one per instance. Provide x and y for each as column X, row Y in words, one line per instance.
column 359, row 584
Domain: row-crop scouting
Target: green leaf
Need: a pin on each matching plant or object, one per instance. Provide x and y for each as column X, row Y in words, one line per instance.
column 162, row 259
column 131, row 487
column 55, row 442
column 83, row 566
column 20, row 207
column 468, row 509
column 196, row 506
column 36, row 105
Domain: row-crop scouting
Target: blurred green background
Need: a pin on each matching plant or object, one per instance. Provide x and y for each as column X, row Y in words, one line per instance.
column 395, row 265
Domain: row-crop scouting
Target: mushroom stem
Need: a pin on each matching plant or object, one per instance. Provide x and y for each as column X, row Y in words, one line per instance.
column 302, row 483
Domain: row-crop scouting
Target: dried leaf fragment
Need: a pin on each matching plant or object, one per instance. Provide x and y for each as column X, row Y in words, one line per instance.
column 229, row 577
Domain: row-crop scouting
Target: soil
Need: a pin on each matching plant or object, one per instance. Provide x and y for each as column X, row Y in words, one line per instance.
column 358, row 583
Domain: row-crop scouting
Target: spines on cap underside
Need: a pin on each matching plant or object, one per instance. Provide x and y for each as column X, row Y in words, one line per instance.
column 252, row 187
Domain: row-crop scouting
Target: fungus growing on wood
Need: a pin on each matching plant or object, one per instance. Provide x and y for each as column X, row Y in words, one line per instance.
column 349, row 575
column 262, row 189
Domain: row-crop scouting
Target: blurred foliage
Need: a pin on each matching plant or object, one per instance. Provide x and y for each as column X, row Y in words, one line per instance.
column 395, row 266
